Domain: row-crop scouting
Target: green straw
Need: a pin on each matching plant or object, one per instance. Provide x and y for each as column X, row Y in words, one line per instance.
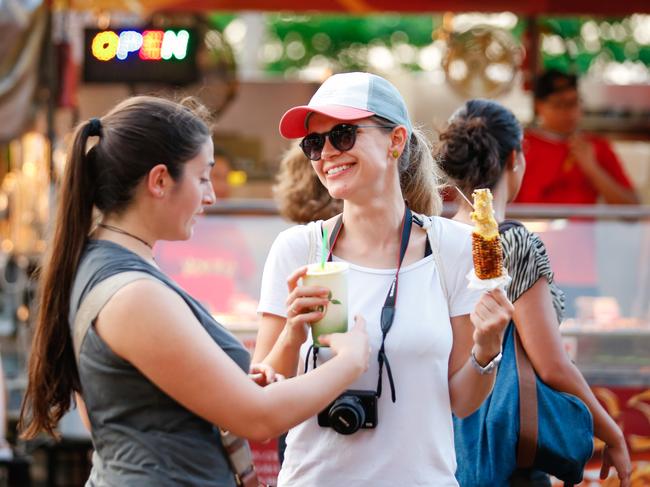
column 324, row 253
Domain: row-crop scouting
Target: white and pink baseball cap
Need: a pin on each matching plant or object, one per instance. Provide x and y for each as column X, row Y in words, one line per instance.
column 348, row 96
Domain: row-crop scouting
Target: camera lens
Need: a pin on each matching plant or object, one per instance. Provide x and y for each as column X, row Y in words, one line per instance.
column 347, row 415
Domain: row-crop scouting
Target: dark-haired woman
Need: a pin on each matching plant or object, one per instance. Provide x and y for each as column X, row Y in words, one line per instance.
column 481, row 148
column 156, row 372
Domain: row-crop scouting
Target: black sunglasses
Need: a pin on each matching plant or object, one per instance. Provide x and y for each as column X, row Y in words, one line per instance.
column 342, row 137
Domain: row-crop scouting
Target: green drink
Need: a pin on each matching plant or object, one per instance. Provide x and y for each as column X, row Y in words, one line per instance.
column 333, row 276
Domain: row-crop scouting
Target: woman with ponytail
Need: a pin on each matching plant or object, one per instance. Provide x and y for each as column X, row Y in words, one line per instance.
column 481, row 148
column 157, row 374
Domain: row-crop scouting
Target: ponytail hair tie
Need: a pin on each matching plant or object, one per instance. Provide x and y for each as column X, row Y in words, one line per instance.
column 94, row 127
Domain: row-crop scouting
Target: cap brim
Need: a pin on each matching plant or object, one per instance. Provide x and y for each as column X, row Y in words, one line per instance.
column 292, row 124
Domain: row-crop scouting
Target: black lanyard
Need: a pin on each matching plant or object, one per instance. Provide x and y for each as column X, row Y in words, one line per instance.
column 388, row 310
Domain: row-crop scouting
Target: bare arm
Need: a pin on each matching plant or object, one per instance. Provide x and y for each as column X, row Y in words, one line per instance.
column 150, row 326
column 539, row 331
column 274, row 347
column 611, row 190
column 481, row 331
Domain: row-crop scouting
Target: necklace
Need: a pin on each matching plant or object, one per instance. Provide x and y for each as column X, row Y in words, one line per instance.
column 124, row 232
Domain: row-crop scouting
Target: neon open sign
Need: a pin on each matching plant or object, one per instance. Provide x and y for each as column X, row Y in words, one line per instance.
column 140, row 55
column 150, row 45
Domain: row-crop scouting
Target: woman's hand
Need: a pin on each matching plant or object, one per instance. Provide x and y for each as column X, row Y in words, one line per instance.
column 618, row 457
column 353, row 344
column 264, row 374
column 305, row 304
column 490, row 318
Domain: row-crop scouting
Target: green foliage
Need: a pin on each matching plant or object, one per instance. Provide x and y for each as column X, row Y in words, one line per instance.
column 578, row 57
column 344, row 41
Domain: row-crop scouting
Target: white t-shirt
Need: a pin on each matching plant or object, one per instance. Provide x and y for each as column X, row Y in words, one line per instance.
column 413, row 442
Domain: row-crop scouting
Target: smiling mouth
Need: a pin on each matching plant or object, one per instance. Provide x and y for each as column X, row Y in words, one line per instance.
column 338, row 169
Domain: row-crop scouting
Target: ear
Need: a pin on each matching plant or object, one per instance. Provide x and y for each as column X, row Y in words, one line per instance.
column 398, row 139
column 511, row 162
column 159, row 181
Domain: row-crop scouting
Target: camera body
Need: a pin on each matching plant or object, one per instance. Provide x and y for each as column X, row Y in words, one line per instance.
column 352, row 410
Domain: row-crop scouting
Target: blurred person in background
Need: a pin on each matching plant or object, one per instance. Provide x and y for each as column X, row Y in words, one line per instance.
column 565, row 165
column 299, row 194
column 219, row 174
column 481, row 148
column 158, row 376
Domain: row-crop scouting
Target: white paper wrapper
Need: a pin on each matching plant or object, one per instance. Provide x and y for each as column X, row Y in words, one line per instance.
column 488, row 284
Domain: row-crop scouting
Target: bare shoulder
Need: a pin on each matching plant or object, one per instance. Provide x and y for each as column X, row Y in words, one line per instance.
column 143, row 312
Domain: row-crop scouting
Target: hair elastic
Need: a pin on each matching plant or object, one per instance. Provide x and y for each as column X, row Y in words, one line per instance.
column 94, row 127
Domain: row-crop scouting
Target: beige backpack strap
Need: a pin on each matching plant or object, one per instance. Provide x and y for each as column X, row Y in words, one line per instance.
column 428, row 225
column 95, row 301
column 315, row 237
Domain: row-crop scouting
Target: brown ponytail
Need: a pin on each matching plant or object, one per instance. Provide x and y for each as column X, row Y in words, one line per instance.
column 52, row 369
column 419, row 176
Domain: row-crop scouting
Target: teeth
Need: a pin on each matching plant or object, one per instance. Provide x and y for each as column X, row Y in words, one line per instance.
column 338, row 169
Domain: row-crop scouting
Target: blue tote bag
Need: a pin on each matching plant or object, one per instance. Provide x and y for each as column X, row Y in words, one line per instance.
column 522, row 423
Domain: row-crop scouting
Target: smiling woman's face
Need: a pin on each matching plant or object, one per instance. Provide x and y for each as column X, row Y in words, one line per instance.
column 358, row 170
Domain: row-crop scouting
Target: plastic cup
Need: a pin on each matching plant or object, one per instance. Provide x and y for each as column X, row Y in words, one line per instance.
column 333, row 276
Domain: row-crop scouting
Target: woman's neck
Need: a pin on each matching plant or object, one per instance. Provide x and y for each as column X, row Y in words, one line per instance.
column 128, row 231
column 378, row 223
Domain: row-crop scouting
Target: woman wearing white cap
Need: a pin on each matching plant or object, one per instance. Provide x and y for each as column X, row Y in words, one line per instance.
column 440, row 341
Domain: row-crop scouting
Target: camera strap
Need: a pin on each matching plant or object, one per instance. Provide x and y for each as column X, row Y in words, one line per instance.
column 388, row 310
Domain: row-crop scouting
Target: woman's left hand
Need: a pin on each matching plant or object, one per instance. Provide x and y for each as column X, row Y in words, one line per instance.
column 618, row 457
column 490, row 318
column 263, row 374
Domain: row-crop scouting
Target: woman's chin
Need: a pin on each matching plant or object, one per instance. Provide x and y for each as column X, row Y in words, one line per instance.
column 339, row 192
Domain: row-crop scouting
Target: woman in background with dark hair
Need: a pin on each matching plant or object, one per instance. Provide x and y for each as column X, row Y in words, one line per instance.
column 481, row 148
column 155, row 371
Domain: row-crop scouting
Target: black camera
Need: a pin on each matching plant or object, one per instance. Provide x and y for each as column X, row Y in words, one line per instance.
column 350, row 411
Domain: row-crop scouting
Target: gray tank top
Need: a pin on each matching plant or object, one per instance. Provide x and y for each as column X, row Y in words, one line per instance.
column 142, row 436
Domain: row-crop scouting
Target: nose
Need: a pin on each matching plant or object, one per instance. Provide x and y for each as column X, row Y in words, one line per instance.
column 209, row 197
column 329, row 149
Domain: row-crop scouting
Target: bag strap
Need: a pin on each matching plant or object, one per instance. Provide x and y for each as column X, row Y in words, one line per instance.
column 95, row 301
column 527, row 446
column 237, row 450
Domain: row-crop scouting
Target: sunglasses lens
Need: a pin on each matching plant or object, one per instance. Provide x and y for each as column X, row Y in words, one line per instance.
column 343, row 136
column 312, row 146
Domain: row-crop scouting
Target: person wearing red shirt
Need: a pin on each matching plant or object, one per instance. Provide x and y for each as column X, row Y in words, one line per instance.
column 565, row 165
